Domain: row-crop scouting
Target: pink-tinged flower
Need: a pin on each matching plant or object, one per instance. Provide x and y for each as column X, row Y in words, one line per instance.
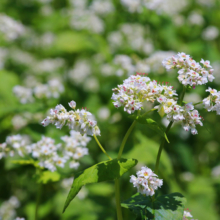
column 79, row 120
column 146, row 181
column 190, row 72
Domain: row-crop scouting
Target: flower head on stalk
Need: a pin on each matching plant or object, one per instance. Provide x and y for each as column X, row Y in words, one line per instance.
column 78, row 120
column 137, row 89
column 146, row 181
column 190, row 72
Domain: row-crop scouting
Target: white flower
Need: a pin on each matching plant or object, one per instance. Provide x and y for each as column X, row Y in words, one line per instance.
column 190, row 72
column 212, row 102
column 146, row 181
column 79, row 120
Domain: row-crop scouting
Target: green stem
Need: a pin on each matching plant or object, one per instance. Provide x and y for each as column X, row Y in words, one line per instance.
column 117, row 198
column 39, row 192
column 161, row 147
column 125, row 139
column 197, row 103
column 103, row 150
column 167, row 130
column 153, row 109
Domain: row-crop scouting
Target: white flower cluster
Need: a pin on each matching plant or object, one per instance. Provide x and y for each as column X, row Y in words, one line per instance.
column 52, row 89
column 10, row 28
column 212, row 102
column 187, row 114
column 85, row 17
column 7, row 209
column 187, row 215
column 79, row 120
column 49, row 154
column 132, row 36
column 46, row 152
column 169, row 7
column 137, row 89
column 190, row 72
column 75, row 147
column 14, row 145
column 146, row 181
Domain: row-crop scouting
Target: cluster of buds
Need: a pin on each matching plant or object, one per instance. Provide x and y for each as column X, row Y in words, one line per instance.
column 14, row 145
column 146, row 181
column 46, row 152
column 212, row 102
column 190, row 72
column 75, row 147
column 137, row 89
column 78, row 120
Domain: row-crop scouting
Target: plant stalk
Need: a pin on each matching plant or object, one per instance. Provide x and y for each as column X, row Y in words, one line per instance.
column 125, row 139
column 39, row 193
column 117, row 198
column 167, row 130
column 103, row 150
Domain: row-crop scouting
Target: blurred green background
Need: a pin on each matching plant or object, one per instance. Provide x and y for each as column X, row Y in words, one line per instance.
column 88, row 48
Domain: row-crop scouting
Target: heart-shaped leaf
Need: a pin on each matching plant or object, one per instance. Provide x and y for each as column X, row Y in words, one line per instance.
column 106, row 170
column 166, row 207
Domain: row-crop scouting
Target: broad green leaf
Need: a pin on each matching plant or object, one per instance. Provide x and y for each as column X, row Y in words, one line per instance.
column 47, row 176
column 153, row 125
column 103, row 171
column 166, row 207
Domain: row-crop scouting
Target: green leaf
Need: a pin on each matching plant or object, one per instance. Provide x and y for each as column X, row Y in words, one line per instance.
column 26, row 162
column 152, row 125
column 47, row 176
column 166, row 207
column 103, row 171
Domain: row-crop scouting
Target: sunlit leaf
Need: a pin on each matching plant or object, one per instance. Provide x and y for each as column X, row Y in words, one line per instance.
column 107, row 170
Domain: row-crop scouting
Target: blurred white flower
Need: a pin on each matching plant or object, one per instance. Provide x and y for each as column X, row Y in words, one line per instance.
column 187, row 176
column 195, row 18
column 103, row 113
column 11, row 28
column 80, row 71
column 102, row 7
column 210, row 33
column 216, row 171
column 86, row 20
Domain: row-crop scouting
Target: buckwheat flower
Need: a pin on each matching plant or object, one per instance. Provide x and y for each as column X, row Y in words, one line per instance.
column 25, row 95
column 18, row 218
column 8, row 208
column 212, row 102
column 14, row 145
column 78, row 120
column 187, row 215
column 190, row 72
column 137, row 89
column 146, row 181
column 75, row 147
column 10, row 28
column 47, row 152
